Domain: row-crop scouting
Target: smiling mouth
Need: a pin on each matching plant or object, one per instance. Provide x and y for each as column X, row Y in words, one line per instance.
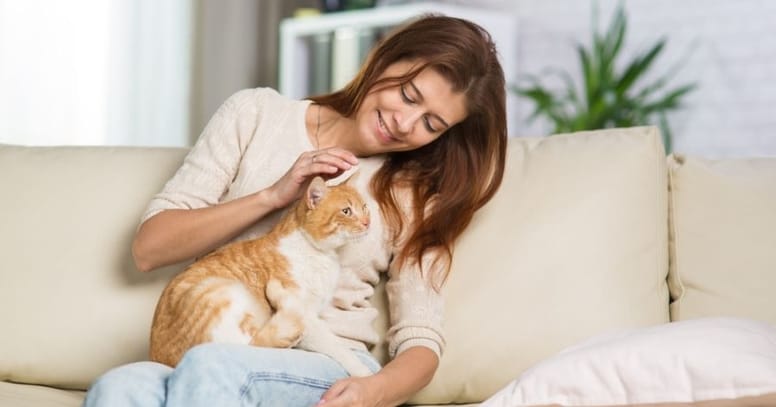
column 384, row 128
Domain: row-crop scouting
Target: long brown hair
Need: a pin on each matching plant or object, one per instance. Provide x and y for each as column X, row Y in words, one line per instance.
column 456, row 174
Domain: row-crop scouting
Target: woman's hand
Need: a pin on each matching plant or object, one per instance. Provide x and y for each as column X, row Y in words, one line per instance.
column 394, row 384
column 328, row 162
column 354, row 392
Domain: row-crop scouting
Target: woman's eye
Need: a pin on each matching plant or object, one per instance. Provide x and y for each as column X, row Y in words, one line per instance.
column 347, row 211
column 429, row 127
column 404, row 95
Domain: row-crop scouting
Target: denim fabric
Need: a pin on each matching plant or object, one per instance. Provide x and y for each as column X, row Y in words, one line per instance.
column 223, row 375
column 136, row 384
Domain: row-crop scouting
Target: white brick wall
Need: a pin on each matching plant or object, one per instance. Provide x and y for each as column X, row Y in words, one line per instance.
column 732, row 45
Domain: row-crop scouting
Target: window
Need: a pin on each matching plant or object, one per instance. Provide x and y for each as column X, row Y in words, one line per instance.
column 95, row 72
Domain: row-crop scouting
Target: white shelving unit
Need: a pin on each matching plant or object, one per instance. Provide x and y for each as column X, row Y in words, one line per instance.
column 295, row 33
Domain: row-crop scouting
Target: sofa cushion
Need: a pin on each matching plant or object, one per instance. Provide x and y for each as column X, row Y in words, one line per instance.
column 26, row 395
column 72, row 304
column 723, row 257
column 674, row 362
column 573, row 244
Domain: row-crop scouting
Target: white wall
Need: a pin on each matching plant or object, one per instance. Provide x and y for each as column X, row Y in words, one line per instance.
column 733, row 58
column 236, row 48
column 64, row 79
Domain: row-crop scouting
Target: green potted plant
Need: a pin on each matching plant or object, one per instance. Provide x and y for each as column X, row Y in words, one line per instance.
column 609, row 97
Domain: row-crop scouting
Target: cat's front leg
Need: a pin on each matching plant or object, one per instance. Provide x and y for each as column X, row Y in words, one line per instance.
column 284, row 329
column 318, row 337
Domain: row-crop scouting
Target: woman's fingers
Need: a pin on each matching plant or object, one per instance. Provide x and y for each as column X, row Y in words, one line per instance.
column 334, row 391
column 340, row 153
column 328, row 163
column 337, row 157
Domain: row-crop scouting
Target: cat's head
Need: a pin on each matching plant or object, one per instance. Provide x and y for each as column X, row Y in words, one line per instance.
column 334, row 215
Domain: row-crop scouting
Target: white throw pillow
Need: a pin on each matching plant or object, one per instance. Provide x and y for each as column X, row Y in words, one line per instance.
column 687, row 361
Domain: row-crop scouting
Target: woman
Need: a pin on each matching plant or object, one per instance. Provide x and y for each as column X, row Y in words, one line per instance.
column 424, row 120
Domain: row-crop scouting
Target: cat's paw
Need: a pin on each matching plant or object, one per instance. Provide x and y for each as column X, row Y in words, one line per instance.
column 288, row 340
column 358, row 370
column 278, row 335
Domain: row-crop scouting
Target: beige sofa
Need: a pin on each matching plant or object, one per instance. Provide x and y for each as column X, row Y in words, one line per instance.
column 590, row 233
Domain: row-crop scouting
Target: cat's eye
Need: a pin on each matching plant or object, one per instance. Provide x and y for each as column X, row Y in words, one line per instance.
column 347, row 211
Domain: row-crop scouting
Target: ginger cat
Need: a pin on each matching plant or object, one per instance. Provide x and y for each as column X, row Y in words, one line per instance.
column 268, row 291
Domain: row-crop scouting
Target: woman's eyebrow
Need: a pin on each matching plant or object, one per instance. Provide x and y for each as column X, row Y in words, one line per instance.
column 420, row 99
column 417, row 91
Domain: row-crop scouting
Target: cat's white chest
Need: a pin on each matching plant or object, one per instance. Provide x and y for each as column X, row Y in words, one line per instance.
column 316, row 272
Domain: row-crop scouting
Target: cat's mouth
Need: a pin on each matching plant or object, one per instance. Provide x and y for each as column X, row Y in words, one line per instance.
column 358, row 236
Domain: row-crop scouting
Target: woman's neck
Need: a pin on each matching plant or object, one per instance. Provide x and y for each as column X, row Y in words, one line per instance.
column 333, row 130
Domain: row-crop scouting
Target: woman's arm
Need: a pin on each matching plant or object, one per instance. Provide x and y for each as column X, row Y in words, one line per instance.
column 187, row 218
column 402, row 377
column 415, row 340
column 176, row 235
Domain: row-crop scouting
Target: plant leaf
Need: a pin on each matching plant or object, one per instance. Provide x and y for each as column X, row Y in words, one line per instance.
column 638, row 67
column 590, row 81
column 608, row 96
column 613, row 40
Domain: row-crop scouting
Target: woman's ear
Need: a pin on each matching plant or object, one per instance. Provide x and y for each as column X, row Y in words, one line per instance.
column 315, row 192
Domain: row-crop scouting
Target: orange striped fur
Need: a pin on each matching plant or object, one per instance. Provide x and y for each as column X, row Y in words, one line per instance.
column 260, row 292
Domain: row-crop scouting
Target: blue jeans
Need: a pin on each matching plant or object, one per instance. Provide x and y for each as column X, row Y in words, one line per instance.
column 223, row 375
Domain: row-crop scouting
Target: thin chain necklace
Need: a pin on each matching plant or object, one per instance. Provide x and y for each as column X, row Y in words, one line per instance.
column 318, row 129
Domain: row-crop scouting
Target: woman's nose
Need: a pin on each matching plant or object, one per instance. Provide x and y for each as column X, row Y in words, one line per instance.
column 406, row 119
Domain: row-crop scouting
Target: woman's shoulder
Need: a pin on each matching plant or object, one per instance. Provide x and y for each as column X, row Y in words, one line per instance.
column 255, row 97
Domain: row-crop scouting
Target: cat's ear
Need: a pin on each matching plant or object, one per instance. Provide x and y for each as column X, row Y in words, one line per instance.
column 352, row 178
column 315, row 192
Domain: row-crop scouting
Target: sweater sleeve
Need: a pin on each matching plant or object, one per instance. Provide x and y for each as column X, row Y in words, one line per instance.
column 210, row 167
column 416, row 307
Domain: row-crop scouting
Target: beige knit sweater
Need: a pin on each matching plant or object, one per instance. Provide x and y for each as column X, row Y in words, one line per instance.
column 250, row 142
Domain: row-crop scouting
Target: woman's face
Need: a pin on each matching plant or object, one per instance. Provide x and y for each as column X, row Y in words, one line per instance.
column 408, row 116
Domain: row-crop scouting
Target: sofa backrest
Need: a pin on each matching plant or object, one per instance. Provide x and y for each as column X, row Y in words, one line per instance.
column 575, row 243
column 72, row 304
column 723, row 237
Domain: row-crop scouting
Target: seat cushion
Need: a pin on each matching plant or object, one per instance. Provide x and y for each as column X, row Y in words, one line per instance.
column 723, row 239
column 24, row 395
column 573, row 244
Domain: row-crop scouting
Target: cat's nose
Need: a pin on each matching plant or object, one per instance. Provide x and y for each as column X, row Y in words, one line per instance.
column 365, row 221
